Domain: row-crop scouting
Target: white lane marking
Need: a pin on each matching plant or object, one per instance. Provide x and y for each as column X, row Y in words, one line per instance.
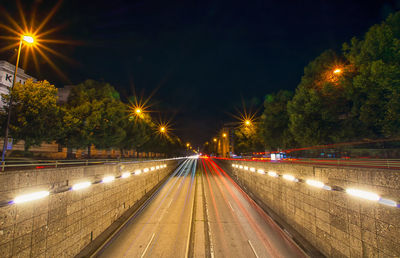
column 209, row 226
column 170, row 203
column 252, row 248
column 230, row 205
column 147, row 247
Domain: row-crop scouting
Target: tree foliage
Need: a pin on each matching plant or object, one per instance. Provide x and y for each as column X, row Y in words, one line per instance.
column 93, row 115
column 274, row 126
column 376, row 82
column 344, row 96
column 248, row 139
column 317, row 109
column 35, row 115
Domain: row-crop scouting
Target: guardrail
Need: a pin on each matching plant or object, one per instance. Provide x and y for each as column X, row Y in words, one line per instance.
column 365, row 163
column 39, row 164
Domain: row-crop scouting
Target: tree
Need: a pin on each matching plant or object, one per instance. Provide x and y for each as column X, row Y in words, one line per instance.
column 248, row 139
column 93, row 115
column 137, row 133
column 320, row 104
column 35, row 115
column 274, row 126
column 376, row 84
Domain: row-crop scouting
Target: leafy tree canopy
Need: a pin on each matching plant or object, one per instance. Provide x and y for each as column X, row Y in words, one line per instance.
column 35, row 115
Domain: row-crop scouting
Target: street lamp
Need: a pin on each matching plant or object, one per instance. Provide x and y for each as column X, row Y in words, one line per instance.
column 30, row 40
column 162, row 129
column 215, row 139
column 247, row 122
column 224, row 135
column 337, row 71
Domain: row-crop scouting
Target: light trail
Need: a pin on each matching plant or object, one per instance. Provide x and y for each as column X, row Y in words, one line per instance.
column 114, row 236
column 220, row 188
column 193, row 171
column 261, row 235
column 268, row 219
column 218, row 219
column 164, row 226
column 179, row 172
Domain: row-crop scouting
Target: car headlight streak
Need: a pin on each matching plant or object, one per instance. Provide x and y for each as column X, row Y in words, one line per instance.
column 318, row 184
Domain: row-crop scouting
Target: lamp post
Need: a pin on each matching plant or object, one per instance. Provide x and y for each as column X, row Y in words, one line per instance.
column 30, row 40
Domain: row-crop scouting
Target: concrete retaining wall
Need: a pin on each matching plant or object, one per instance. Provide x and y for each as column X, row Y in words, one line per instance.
column 62, row 224
column 337, row 224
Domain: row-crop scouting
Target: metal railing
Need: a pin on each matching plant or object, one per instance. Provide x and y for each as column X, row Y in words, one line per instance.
column 39, row 164
column 366, row 163
column 361, row 163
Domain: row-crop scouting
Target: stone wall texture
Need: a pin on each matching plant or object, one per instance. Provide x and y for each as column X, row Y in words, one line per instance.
column 62, row 224
column 337, row 224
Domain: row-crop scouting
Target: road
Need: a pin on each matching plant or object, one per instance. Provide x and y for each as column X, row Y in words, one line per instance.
column 238, row 226
column 200, row 212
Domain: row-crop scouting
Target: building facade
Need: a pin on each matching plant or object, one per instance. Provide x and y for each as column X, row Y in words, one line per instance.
column 63, row 94
column 225, row 141
column 6, row 77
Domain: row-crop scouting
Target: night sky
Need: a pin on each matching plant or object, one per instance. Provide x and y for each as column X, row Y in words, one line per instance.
column 202, row 57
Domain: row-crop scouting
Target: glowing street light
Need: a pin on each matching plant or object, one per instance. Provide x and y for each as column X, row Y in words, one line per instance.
column 163, row 129
column 363, row 194
column 337, row 71
column 31, row 197
column 81, row 185
column 247, row 122
column 30, row 40
column 215, row 139
column 138, row 111
column 224, row 135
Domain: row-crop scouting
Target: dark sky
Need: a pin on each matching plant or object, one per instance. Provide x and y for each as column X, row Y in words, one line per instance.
column 202, row 56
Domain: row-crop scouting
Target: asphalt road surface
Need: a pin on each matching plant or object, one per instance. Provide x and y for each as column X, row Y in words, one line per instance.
column 200, row 212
